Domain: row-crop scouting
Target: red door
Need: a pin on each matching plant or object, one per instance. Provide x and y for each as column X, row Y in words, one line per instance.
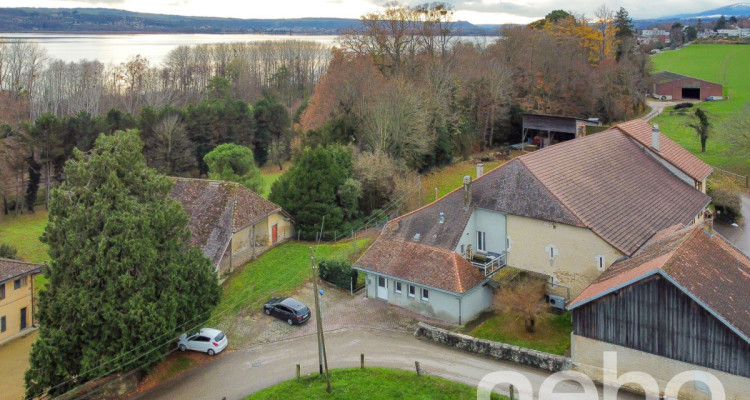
column 274, row 233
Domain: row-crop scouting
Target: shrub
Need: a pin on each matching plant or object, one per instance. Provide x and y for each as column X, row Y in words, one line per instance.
column 338, row 272
column 8, row 251
column 683, row 105
column 726, row 196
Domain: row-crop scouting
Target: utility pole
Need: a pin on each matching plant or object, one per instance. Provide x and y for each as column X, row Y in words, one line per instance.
column 319, row 322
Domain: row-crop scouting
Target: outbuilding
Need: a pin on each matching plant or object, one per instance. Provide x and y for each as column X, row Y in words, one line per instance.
column 672, row 86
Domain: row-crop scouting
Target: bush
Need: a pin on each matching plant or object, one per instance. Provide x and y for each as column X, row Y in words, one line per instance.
column 683, row 105
column 726, row 196
column 338, row 272
column 8, row 251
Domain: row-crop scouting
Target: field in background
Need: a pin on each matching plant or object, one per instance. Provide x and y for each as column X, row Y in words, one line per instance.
column 451, row 177
column 724, row 64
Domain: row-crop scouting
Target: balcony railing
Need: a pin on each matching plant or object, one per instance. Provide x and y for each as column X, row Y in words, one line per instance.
column 491, row 265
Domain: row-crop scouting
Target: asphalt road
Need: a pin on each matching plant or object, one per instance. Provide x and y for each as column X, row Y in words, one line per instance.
column 240, row 373
column 738, row 236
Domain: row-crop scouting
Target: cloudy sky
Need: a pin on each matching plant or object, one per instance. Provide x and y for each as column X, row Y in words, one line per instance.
column 475, row 11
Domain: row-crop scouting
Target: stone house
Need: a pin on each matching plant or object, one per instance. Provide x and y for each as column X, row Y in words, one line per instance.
column 16, row 297
column 229, row 222
column 679, row 304
column 566, row 212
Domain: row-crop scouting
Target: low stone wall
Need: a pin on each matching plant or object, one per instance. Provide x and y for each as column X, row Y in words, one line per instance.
column 496, row 350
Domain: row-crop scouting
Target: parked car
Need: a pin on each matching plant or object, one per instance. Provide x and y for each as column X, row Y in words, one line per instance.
column 287, row 309
column 207, row 340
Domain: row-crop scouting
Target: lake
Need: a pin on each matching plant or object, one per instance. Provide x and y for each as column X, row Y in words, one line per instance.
column 117, row 48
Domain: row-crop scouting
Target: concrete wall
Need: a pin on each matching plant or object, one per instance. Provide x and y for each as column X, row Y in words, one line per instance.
column 496, row 350
column 242, row 240
column 285, row 228
column 588, row 357
column 441, row 305
column 492, row 223
column 574, row 265
column 11, row 305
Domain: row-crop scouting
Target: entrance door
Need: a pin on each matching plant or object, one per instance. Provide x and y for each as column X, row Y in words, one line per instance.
column 23, row 318
column 274, row 233
column 382, row 288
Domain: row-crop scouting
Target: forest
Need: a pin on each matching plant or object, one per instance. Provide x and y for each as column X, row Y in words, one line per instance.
column 397, row 95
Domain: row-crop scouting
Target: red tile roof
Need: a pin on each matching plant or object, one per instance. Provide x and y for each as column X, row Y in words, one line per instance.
column 707, row 268
column 421, row 264
column 670, row 151
column 14, row 269
column 216, row 210
column 617, row 189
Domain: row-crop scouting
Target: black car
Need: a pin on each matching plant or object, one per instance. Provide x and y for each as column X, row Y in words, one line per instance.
column 287, row 309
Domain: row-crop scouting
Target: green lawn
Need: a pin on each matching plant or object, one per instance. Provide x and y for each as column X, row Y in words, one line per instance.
column 552, row 334
column 23, row 231
column 268, row 180
column 725, row 64
column 370, row 383
column 449, row 178
column 279, row 271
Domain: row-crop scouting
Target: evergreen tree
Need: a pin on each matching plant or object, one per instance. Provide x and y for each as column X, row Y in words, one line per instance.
column 120, row 272
column 230, row 162
column 702, row 126
column 272, row 128
column 624, row 24
column 35, row 175
column 319, row 185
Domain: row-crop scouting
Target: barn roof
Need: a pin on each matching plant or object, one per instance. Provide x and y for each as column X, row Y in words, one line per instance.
column 671, row 152
column 705, row 267
column 667, row 76
column 14, row 269
column 216, row 210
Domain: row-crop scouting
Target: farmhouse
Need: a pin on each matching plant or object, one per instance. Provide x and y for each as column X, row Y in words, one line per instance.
column 567, row 212
column 229, row 222
column 16, row 296
column 672, row 86
column 679, row 304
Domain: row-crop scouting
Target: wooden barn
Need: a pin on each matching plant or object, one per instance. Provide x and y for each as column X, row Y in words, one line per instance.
column 672, row 86
column 679, row 304
column 551, row 129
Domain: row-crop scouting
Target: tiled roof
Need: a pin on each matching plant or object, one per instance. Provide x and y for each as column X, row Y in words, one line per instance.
column 418, row 263
column 13, row 269
column 615, row 188
column 708, row 268
column 672, row 152
column 216, row 210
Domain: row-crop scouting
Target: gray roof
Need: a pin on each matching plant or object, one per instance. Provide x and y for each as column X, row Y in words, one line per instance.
column 14, row 269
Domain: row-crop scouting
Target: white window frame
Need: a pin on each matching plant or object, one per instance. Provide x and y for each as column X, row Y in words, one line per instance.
column 482, row 241
column 551, row 251
column 508, row 243
column 412, row 291
column 397, row 287
column 424, row 292
column 600, row 262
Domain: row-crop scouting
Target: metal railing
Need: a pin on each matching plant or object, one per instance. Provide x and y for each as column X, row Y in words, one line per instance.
column 491, row 266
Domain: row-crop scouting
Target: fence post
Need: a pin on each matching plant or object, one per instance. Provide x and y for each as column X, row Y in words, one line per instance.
column 351, row 286
column 747, row 181
column 335, row 235
column 416, row 364
column 298, row 372
column 362, row 360
column 512, row 395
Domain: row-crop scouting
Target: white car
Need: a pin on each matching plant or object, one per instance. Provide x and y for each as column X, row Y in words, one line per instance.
column 208, row 340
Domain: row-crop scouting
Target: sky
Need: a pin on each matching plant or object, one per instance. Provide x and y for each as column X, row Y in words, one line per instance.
column 474, row 11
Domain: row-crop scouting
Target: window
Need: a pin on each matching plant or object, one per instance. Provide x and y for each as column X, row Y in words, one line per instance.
column 551, row 251
column 397, row 287
column 2, row 323
column 412, row 291
column 600, row 264
column 2, row 291
column 508, row 243
column 425, row 295
column 16, row 284
column 481, row 241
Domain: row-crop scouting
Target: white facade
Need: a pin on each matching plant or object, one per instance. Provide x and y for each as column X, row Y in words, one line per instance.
column 431, row 302
column 486, row 232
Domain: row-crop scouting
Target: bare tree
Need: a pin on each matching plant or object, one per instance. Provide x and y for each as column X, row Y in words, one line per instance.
column 524, row 297
column 169, row 150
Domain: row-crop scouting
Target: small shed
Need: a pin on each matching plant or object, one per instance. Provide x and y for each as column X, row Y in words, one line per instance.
column 672, row 86
column 553, row 128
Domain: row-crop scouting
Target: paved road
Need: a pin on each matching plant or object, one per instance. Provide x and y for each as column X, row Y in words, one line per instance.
column 657, row 106
column 739, row 236
column 243, row 372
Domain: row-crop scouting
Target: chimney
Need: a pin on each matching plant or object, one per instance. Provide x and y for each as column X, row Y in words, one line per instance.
column 655, row 134
column 467, row 191
column 480, row 170
column 708, row 222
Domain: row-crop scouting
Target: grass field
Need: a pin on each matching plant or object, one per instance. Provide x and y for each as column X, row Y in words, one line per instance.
column 448, row 178
column 23, row 231
column 552, row 334
column 268, row 180
column 725, row 64
column 279, row 271
column 370, row 383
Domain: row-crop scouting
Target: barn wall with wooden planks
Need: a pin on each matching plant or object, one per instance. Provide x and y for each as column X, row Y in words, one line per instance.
column 656, row 317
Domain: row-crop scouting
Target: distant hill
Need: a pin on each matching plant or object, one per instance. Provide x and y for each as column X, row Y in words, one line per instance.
column 101, row 20
column 737, row 10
